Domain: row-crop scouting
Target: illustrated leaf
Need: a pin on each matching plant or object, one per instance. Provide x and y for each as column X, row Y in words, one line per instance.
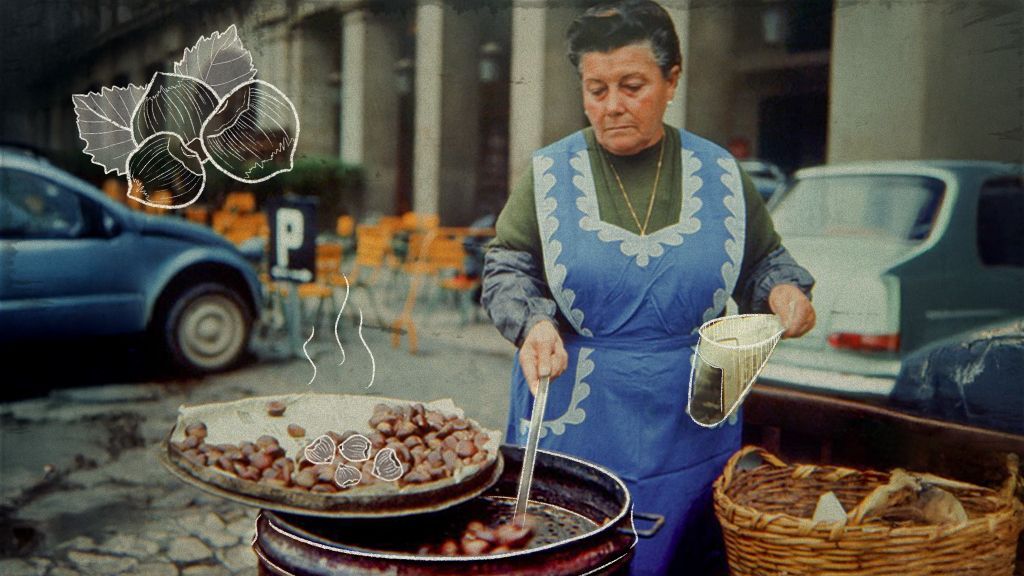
column 220, row 61
column 104, row 123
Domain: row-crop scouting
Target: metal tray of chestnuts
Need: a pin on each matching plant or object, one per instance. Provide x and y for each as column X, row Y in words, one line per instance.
column 333, row 455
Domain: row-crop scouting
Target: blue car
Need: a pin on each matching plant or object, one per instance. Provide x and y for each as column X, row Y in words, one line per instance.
column 74, row 264
column 767, row 177
column 976, row 378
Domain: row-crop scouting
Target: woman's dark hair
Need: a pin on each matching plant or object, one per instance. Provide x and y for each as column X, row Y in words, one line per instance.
column 611, row 25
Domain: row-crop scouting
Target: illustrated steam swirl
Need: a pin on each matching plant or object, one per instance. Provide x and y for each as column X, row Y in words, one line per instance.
column 209, row 111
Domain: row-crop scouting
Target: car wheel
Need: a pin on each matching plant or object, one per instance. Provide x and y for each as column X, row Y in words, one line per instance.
column 206, row 328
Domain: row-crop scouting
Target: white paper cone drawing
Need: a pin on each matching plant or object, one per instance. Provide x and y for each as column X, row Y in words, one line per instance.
column 729, row 356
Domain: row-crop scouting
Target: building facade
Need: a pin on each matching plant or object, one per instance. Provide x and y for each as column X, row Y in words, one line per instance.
column 442, row 103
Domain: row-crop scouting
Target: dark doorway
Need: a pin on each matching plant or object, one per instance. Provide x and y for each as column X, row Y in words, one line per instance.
column 494, row 61
column 405, row 77
column 406, row 127
column 492, row 162
column 793, row 130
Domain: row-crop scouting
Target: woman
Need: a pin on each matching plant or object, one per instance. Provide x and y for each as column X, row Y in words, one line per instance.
column 621, row 241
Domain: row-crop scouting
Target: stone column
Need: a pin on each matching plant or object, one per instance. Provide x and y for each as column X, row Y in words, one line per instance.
column 429, row 68
column 675, row 115
column 545, row 98
column 526, row 114
column 369, row 105
column 710, row 71
column 912, row 82
column 353, row 81
column 563, row 100
column 878, row 87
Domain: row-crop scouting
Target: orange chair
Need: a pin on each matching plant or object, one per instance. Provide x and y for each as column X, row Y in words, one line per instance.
column 346, row 226
column 409, row 226
column 346, row 231
column 239, row 227
column 413, row 260
column 390, row 222
column 406, row 261
column 240, row 202
column 245, row 226
column 450, row 260
column 440, row 257
column 197, row 214
column 373, row 246
column 462, row 285
column 415, row 221
column 373, row 252
column 328, row 272
column 161, row 198
column 222, row 221
column 322, row 289
column 116, row 190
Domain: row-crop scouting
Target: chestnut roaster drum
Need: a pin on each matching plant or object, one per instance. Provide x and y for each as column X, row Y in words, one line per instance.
column 584, row 525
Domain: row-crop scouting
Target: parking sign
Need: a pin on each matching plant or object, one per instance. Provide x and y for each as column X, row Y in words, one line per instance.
column 293, row 239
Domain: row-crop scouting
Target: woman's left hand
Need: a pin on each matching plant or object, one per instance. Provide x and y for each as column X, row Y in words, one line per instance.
column 794, row 309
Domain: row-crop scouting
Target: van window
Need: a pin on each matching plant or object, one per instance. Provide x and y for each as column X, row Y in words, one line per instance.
column 1001, row 222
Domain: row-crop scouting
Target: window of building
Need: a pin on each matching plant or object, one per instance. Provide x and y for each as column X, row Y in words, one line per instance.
column 1001, row 222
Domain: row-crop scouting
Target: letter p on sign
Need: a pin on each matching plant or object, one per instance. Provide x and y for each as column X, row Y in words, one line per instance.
column 289, row 233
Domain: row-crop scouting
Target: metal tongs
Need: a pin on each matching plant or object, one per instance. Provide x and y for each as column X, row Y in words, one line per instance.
column 526, row 476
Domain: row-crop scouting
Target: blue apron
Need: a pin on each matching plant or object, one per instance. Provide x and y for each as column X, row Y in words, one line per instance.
column 635, row 304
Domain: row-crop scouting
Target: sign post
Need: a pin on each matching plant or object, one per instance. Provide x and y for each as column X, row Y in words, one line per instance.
column 293, row 255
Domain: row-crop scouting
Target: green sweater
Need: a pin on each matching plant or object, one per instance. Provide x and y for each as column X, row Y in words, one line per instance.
column 517, row 224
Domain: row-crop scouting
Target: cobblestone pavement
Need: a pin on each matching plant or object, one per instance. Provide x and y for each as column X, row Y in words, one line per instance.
column 82, row 490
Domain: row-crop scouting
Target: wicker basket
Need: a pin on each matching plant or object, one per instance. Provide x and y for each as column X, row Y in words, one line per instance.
column 765, row 513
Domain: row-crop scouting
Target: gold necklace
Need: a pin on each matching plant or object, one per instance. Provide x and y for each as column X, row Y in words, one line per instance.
column 654, row 191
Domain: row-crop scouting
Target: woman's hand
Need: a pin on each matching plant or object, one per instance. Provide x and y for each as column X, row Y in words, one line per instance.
column 542, row 353
column 791, row 305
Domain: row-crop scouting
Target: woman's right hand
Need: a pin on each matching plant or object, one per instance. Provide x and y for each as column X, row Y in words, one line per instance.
column 542, row 353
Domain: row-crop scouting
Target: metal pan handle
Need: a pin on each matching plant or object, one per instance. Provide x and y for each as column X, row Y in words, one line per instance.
column 657, row 519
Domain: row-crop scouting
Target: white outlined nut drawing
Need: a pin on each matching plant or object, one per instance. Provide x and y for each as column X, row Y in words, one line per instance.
column 175, row 104
column 356, row 448
column 347, row 476
column 248, row 129
column 251, row 136
column 162, row 162
column 386, row 465
column 321, row 450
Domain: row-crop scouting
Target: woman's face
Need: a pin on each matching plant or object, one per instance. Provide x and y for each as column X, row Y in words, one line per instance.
column 625, row 95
